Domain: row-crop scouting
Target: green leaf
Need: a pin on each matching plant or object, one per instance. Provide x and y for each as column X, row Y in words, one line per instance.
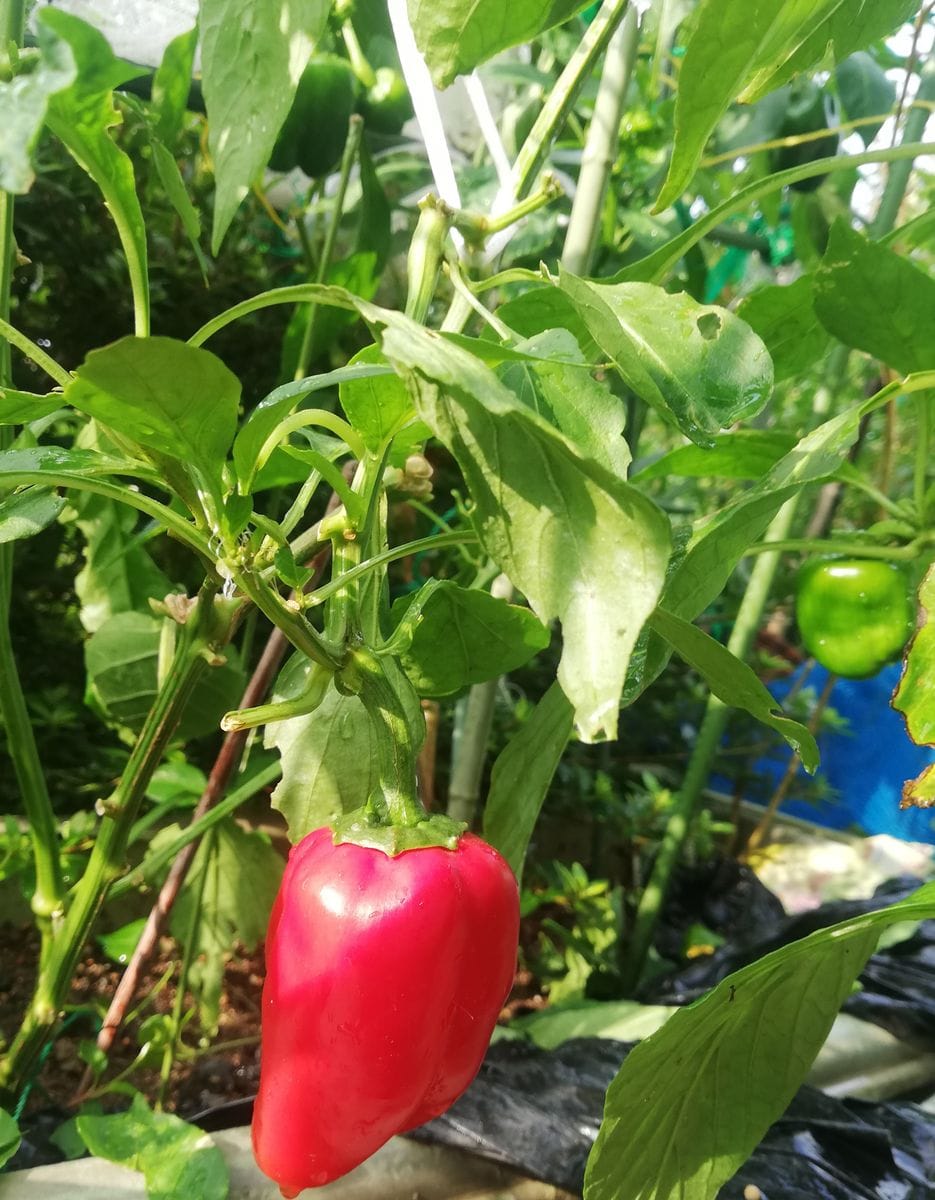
column 691, row 1102
column 865, row 91
column 328, row 757
column 733, row 682
column 81, row 116
column 743, row 454
column 56, row 463
column 27, row 513
column 456, row 37
column 170, row 176
column 19, row 408
column 577, row 541
column 522, row 774
column 178, row 1161
column 465, row 636
column 698, row 365
column 743, row 49
column 120, row 943
column 871, row 298
column 623, row 1020
column 784, row 318
column 275, row 407
column 566, row 394
column 122, row 664
column 165, row 395
column 376, row 405
column 548, row 307
column 252, row 57
column 23, row 103
column 236, row 874
column 9, row 1137
column 915, row 696
column 171, row 85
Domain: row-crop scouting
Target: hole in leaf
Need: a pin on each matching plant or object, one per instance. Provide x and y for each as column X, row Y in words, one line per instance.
column 709, row 326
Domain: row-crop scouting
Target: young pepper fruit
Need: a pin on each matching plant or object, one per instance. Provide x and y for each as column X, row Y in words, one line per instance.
column 854, row 614
column 385, row 977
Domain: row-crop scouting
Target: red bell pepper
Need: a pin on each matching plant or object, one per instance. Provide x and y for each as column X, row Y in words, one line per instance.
column 385, row 977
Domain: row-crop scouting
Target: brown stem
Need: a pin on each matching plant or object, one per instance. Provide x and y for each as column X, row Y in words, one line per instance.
column 425, row 764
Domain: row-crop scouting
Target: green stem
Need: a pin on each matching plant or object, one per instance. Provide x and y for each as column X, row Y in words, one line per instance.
column 199, row 635
column 299, row 632
column 150, row 867
column 355, row 131
column 282, row 710
column 600, row 148
column 12, row 337
column 897, row 178
column 561, row 100
column 855, row 549
column 48, row 898
column 435, row 542
column 395, row 802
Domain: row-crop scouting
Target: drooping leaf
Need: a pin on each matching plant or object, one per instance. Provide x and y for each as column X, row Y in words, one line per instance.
column 456, row 37
column 9, row 1137
column 23, row 103
column 522, row 774
column 865, row 91
column 692, row 1101
column 377, row 405
column 81, row 116
column 698, row 365
column 732, row 681
column 174, row 186
column 252, row 57
column 577, row 541
column 743, row 454
column 27, row 513
column 166, row 395
column 570, row 398
column 178, row 1160
column 784, row 318
column 746, row 48
column 465, row 636
column 915, row 696
column 122, row 665
column 171, row 85
column 872, row 298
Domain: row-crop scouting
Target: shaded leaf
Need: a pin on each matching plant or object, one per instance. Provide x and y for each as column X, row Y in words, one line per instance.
column 177, row 1160
column 171, row 85
column 872, row 298
column 698, row 365
column 692, row 1101
column 743, row 454
column 377, row 405
column 522, row 774
column 784, row 318
column 9, row 1137
column 252, row 57
column 27, row 513
column 456, row 37
column 465, row 636
column 865, row 91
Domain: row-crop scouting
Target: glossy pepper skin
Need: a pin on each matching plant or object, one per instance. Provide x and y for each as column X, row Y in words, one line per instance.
column 385, row 978
column 854, row 615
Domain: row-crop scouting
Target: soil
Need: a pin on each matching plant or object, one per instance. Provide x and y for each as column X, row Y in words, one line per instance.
column 222, row 1070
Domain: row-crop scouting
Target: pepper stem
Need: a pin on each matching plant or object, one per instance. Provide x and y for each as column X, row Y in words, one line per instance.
column 393, row 819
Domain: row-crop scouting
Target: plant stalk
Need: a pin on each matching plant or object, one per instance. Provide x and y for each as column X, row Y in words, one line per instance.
column 355, row 131
column 600, row 147
column 535, row 150
column 48, row 898
column 198, row 639
column 897, row 177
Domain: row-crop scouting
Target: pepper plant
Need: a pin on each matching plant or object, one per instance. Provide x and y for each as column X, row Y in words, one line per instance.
column 535, row 381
